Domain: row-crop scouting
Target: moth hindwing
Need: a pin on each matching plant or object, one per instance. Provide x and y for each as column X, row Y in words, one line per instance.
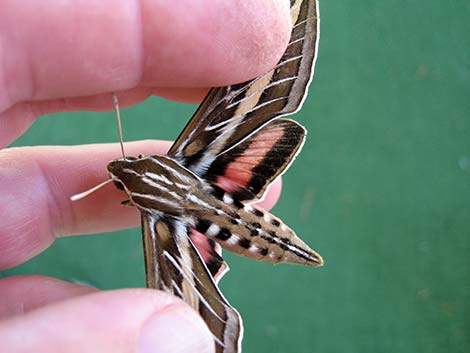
column 199, row 196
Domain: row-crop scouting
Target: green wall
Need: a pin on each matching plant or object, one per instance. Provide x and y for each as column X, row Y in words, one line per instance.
column 381, row 190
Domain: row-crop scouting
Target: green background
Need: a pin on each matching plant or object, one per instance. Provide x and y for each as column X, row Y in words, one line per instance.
column 381, row 190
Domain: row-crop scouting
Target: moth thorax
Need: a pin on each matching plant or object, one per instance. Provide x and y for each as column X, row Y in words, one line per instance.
column 154, row 183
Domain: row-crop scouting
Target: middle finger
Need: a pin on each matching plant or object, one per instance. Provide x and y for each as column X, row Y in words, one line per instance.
column 36, row 184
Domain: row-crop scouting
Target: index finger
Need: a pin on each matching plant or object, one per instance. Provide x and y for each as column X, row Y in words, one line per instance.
column 81, row 48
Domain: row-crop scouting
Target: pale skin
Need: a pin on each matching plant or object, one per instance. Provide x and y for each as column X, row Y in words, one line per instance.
column 58, row 56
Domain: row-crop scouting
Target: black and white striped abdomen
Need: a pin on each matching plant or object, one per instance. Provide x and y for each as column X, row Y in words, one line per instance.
column 255, row 233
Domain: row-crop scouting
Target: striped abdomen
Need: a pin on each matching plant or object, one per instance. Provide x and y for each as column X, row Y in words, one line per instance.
column 253, row 232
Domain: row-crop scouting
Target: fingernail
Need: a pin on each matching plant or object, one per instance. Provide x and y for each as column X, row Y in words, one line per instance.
column 177, row 329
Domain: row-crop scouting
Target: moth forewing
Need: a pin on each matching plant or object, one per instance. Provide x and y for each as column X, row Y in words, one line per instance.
column 175, row 266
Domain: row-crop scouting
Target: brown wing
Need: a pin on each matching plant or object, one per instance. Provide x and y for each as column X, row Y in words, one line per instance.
column 230, row 114
column 174, row 265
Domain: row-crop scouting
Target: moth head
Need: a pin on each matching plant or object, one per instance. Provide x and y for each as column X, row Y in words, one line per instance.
column 116, row 171
column 119, row 170
column 115, row 166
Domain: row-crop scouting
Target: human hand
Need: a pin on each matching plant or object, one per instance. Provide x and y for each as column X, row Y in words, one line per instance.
column 57, row 56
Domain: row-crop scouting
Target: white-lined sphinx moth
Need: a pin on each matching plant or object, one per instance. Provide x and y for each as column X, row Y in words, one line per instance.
column 234, row 146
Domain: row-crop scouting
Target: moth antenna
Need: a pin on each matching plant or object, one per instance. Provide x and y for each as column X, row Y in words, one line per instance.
column 90, row 191
column 118, row 120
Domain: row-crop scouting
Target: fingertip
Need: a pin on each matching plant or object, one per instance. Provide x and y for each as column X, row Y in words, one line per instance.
column 224, row 42
column 182, row 330
column 272, row 195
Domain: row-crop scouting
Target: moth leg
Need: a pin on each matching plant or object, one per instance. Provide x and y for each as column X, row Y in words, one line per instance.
column 127, row 203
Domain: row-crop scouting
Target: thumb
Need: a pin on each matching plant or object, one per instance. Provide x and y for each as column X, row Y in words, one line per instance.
column 129, row 320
